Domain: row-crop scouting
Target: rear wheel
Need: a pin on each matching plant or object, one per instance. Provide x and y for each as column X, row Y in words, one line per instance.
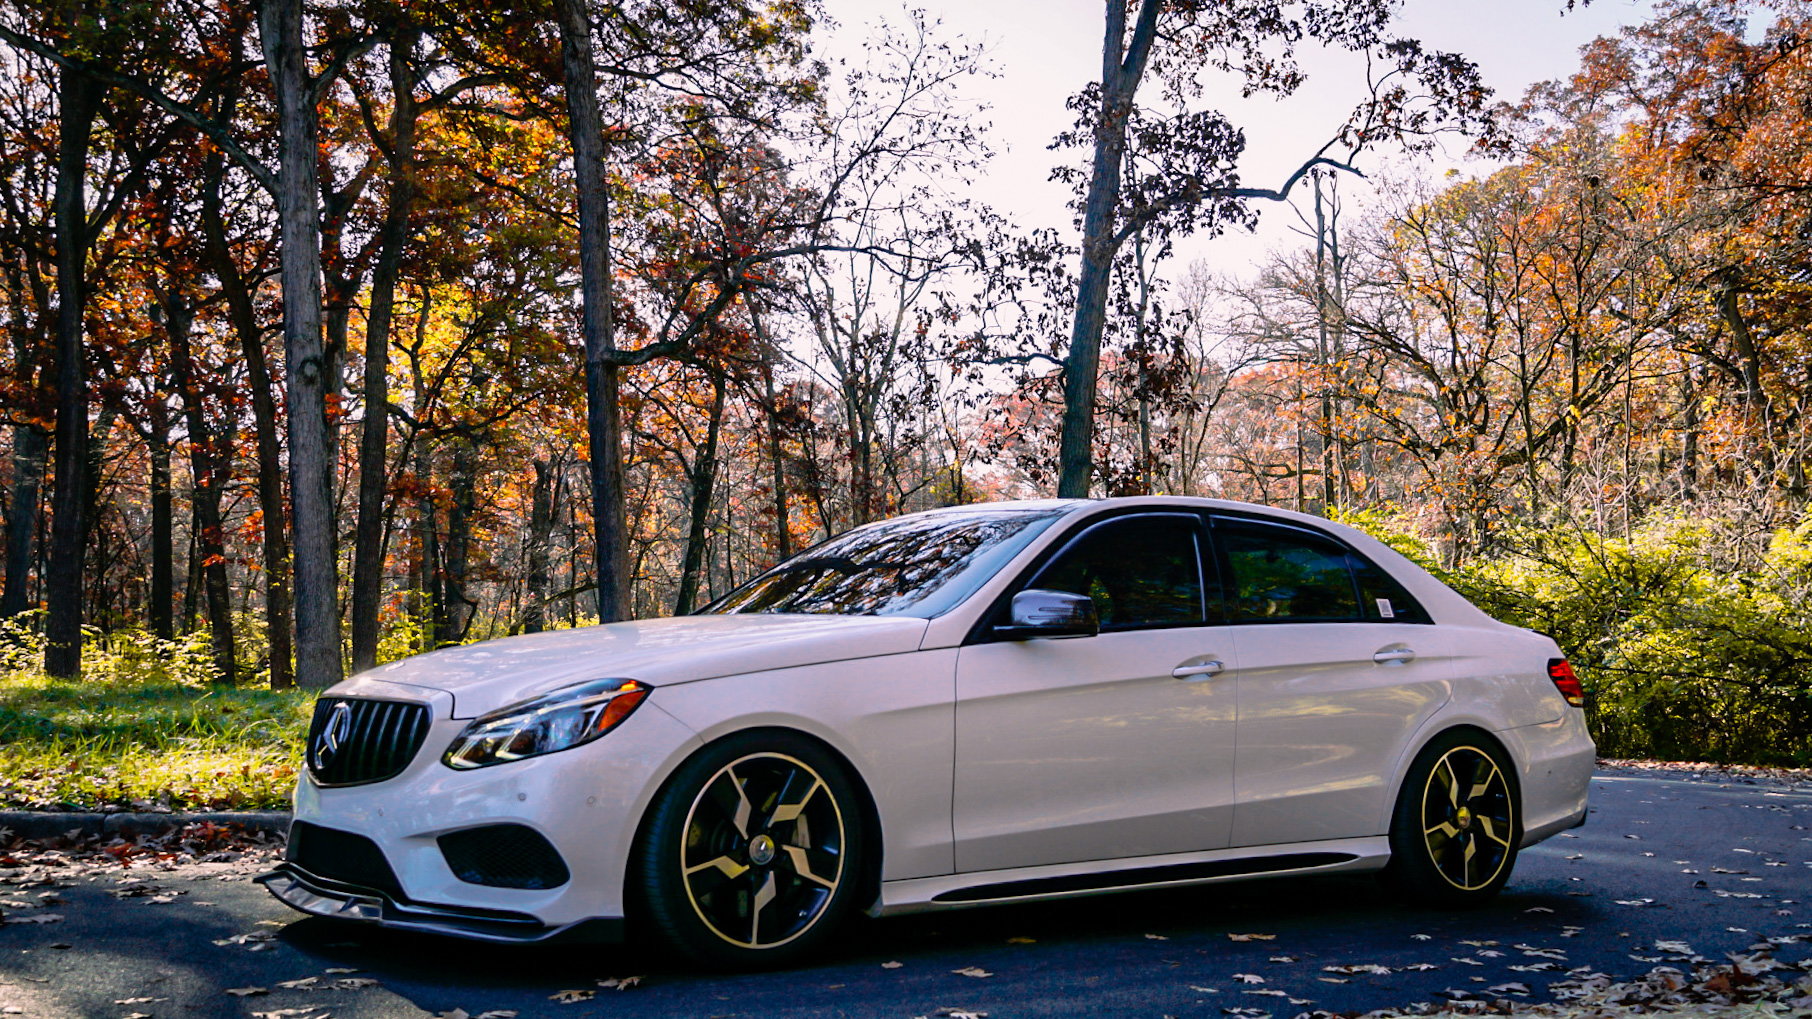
column 1457, row 823
column 751, row 857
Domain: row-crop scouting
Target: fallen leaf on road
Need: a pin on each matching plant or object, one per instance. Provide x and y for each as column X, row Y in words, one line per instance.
column 892, row 965
column 570, row 997
column 1251, row 937
column 1022, row 941
column 340, row 969
column 972, row 971
column 137, row 1001
column 1156, row 937
column 1249, row 978
column 246, row 992
column 619, row 983
column 304, row 984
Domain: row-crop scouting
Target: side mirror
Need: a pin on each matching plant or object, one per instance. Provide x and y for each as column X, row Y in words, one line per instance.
column 1041, row 613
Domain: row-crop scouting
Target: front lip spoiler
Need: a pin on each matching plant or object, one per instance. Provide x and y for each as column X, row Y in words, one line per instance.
column 318, row 896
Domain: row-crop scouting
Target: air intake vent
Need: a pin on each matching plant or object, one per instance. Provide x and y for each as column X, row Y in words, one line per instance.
column 354, row 741
column 504, row 856
column 341, row 856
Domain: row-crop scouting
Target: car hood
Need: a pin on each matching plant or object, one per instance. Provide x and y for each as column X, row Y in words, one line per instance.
column 486, row 676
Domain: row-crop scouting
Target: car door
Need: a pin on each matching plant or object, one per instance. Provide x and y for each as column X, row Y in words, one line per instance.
column 1114, row 745
column 1338, row 668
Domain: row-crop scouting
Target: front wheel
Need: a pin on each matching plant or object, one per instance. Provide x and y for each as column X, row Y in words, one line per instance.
column 751, row 857
column 1457, row 823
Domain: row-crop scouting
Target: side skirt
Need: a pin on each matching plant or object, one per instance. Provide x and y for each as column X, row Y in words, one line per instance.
column 1068, row 880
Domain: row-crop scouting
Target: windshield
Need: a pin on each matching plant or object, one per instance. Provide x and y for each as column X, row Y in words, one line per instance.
column 913, row 566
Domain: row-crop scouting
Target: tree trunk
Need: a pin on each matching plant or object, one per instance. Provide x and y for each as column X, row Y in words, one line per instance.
column 783, row 529
column 279, row 620
column 1749, row 361
column 368, row 543
column 163, row 538
column 541, row 525
column 462, row 485
column 704, row 479
column 430, row 601
column 1122, row 65
column 602, row 427
column 208, row 466
column 78, row 96
column 31, row 447
column 311, row 456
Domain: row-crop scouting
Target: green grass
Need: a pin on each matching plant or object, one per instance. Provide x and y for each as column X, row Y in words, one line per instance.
column 146, row 744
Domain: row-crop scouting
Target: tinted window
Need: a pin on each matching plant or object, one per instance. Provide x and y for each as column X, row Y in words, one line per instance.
column 1140, row 571
column 917, row 566
column 1382, row 599
column 1278, row 573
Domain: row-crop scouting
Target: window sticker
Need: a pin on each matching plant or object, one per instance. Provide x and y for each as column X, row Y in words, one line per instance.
column 1385, row 610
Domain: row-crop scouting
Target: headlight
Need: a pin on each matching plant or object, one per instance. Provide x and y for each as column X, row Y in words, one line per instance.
column 566, row 718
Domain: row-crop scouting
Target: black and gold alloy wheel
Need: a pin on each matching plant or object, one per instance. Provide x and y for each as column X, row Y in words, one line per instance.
column 763, row 851
column 1455, row 830
column 752, row 854
column 1466, row 818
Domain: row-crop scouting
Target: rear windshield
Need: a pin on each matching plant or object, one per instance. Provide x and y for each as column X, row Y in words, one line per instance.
column 912, row 566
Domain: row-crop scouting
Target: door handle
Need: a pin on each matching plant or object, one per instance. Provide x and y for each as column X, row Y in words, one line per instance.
column 1200, row 670
column 1394, row 656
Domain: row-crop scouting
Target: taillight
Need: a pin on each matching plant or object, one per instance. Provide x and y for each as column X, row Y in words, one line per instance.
column 1566, row 681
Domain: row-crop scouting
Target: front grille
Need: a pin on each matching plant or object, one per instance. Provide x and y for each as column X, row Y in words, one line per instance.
column 352, row 741
column 341, row 856
column 504, row 856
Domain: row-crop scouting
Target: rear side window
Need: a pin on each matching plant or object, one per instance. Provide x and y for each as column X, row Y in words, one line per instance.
column 1140, row 571
column 1382, row 599
column 1278, row 573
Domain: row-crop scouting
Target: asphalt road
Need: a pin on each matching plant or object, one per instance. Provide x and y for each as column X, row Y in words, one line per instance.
column 1669, row 867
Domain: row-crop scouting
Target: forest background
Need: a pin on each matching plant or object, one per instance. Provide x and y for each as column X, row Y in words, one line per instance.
column 1573, row 383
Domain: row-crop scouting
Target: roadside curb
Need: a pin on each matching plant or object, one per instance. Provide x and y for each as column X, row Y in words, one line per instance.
column 38, row 824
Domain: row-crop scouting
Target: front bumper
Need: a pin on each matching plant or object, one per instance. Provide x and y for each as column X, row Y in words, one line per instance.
column 585, row 802
column 319, row 896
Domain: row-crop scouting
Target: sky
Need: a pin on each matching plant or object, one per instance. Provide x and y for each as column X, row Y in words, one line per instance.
column 1045, row 50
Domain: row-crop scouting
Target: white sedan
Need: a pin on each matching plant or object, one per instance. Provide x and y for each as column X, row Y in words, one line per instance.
column 972, row 705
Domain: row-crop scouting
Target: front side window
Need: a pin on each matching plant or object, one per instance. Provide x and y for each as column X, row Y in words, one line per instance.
column 1141, row 571
column 919, row 565
column 1281, row 574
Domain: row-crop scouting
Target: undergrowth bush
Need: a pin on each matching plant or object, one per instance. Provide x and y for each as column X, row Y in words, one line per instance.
column 1686, row 652
column 145, row 728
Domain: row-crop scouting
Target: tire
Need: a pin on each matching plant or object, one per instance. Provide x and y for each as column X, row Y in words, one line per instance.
column 753, row 852
column 1457, row 823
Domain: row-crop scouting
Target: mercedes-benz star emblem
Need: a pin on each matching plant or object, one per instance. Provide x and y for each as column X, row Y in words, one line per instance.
column 333, row 735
